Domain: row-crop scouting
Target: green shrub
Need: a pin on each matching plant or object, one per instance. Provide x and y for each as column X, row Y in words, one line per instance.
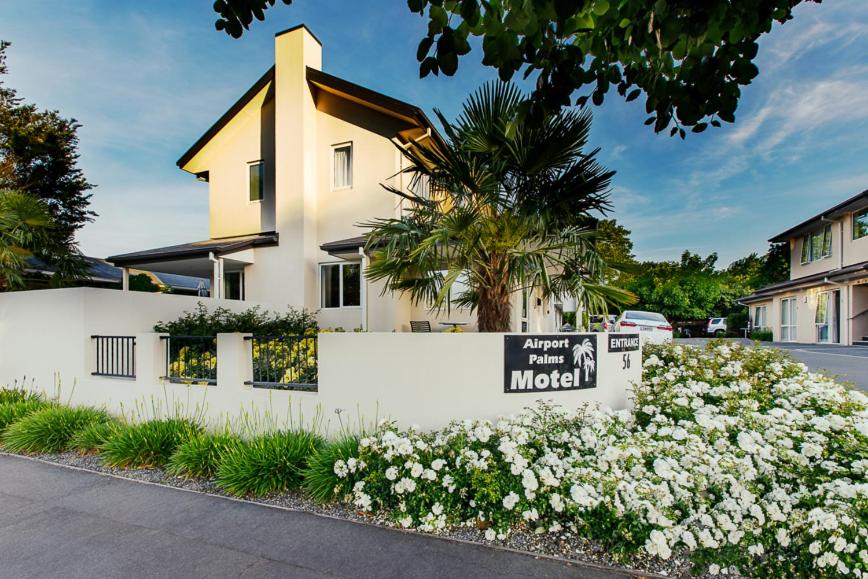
column 320, row 478
column 12, row 395
column 11, row 412
column 92, row 437
column 201, row 322
column 50, row 429
column 761, row 335
column 268, row 463
column 200, row 456
column 736, row 321
column 149, row 444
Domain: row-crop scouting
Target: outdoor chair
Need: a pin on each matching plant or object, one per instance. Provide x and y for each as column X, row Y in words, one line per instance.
column 420, row 326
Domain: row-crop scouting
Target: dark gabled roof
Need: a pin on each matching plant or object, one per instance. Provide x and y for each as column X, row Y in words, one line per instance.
column 195, row 249
column 343, row 245
column 409, row 112
column 831, row 276
column 858, row 201
column 98, row 270
column 227, row 116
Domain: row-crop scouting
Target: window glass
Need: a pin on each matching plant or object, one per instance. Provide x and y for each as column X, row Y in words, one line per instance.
column 330, row 284
column 806, row 249
column 827, row 241
column 648, row 316
column 233, row 285
column 257, row 181
column 817, row 245
column 860, row 224
column 352, row 278
column 343, row 166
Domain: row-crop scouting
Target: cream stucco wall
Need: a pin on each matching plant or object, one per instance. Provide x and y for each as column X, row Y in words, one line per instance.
column 292, row 125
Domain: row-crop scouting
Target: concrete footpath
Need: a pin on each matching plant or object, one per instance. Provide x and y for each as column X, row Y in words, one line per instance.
column 60, row 522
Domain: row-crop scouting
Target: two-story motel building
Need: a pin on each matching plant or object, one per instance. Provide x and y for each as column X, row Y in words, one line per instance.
column 826, row 298
column 292, row 168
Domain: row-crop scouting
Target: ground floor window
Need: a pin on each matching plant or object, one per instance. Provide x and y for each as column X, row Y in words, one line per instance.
column 760, row 321
column 340, row 285
column 826, row 318
column 788, row 320
column 233, row 285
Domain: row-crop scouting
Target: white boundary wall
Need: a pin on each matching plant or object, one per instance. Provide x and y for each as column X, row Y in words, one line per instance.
column 422, row 379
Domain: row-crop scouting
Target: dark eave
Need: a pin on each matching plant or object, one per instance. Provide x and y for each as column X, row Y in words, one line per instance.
column 195, row 249
column 343, row 246
column 832, row 276
column 385, row 103
column 855, row 203
column 227, row 116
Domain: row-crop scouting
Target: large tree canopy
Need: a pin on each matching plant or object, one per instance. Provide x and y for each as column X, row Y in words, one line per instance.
column 688, row 57
column 39, row 156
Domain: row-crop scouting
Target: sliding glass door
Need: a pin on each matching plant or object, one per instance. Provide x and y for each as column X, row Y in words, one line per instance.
column 788, row 320
column 826, row 319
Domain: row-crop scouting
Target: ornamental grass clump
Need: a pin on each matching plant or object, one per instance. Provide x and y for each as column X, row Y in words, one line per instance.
column 11, row 412
column 50, row 429
column 271, row 463
column 91, row 438
column 736, row 458
column 321, row 480
column 13, row 395
column 200, row 456
column 149, row 444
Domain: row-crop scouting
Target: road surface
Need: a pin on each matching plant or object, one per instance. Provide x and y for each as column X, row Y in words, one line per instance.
column 848, row 363
column 59, row 522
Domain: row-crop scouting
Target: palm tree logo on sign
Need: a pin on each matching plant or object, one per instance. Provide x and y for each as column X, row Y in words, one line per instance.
column 583, row 357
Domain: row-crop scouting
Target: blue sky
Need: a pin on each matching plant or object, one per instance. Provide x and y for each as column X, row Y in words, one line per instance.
column 146, row 79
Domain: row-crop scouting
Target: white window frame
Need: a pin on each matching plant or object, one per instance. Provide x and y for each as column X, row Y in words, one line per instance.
column 334, row 149
column 261, row 164
column 790, row 334
column 341, row 265
column 241, row 281
column 761, row 314
column 807, row 249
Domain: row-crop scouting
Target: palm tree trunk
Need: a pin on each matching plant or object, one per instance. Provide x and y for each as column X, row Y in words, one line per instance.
column 494, row 309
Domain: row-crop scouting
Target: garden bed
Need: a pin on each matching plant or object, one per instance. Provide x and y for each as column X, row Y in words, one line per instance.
column 734, row 461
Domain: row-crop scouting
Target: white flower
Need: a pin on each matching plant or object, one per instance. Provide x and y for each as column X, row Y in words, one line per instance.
column 490, row 534
column 657, row 545
column 392, row 473
column 437, row 464
column 510, row 500
column 340, row 469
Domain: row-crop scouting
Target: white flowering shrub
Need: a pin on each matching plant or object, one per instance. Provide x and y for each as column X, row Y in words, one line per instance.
column 736, row 457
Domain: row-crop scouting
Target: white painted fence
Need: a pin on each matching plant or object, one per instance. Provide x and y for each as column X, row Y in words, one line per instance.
column 423, row 379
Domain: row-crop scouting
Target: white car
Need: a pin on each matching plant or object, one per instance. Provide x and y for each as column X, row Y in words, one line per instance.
column 650, row 326
column 716, row 327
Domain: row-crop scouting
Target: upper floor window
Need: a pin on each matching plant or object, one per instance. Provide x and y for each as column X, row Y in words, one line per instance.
column 860, row 224
column 257, row 180
column 340, row 285
column 342, row 166
column 817, row 245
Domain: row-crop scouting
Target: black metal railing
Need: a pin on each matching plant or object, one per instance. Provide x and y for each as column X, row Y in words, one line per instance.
column 284, row 362
column 115, row 356
column 191, row 359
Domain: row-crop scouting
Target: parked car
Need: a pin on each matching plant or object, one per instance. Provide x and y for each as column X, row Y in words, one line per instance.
column 716, row 327
column 650, row 325
column 601, row 323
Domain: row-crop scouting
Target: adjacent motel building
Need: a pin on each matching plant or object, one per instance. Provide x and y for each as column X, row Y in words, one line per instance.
column 825, row 301
column 292, row 169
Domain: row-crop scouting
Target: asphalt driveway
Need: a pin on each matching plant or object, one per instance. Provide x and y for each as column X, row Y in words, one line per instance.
column 848, row 363
column 59, row 522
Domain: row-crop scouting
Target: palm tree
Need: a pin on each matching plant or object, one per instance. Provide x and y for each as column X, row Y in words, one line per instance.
column 504, row 204
column 24, row 228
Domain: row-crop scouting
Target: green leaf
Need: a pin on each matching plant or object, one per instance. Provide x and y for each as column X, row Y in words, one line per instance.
column 601, row 7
